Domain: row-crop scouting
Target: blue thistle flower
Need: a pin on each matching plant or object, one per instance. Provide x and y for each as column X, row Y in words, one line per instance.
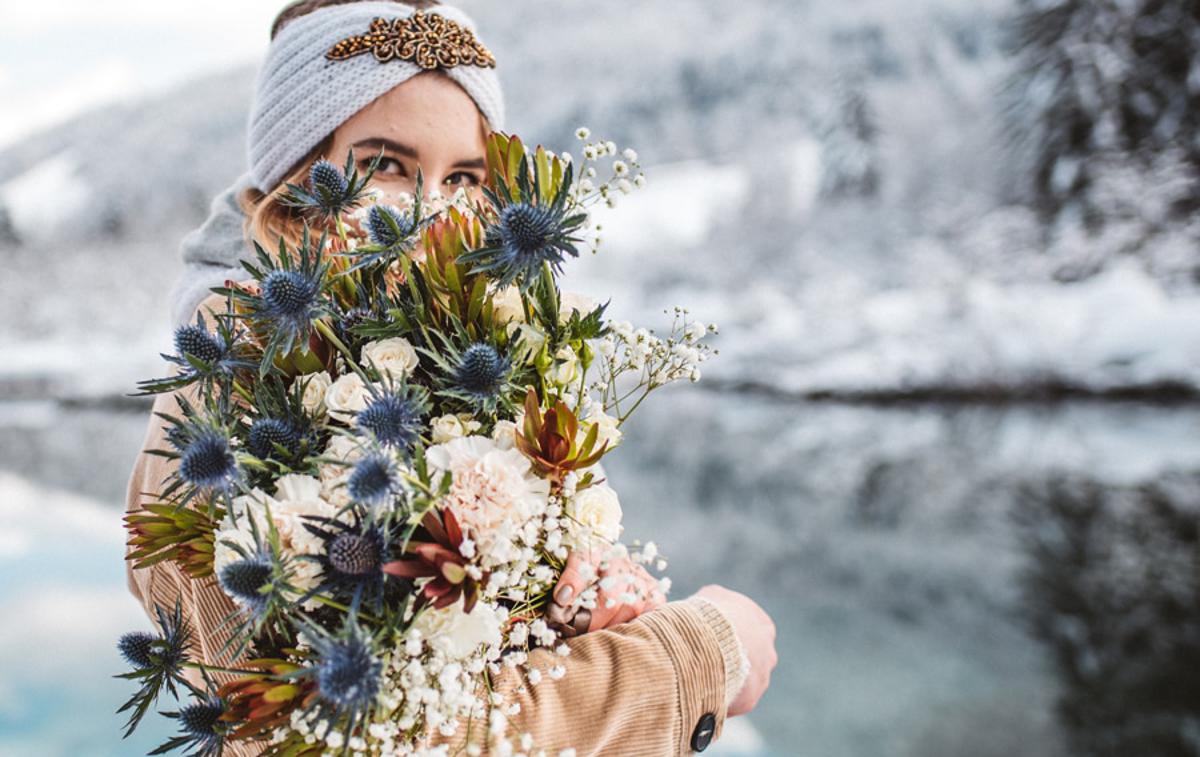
column 373, row 482
column 289, row 296
column 208, row 462
column 393, row 418
column 195, row 340
column 348, row 673
column 201, row 728
column 354, row 554
column 524, row 238
column 325, row 176
column 136, row 647
column 265, row 433
column 380, row 230
column 481, row 371
column 244, row 579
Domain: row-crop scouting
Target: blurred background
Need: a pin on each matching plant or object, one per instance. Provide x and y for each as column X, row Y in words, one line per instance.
column 951, row 440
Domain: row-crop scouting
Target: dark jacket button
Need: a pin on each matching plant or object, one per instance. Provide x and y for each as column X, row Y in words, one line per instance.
column 702, row 736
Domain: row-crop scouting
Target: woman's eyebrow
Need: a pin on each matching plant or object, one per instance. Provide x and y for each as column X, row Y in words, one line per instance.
column 374, row 143
column 471, row 163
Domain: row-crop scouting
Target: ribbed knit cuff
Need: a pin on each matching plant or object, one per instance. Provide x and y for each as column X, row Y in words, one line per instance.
column 697, row 653
column 737, row 663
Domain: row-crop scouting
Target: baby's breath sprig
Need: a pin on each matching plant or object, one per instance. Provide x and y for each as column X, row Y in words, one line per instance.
column 624, row 175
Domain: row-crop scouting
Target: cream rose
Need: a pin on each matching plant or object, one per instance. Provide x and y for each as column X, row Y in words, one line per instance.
column 459, row 634
column 449, row 427
column 505, row 433
column 595, row 512
column 566, row 366
column 507, row 308
column 571, row 301
column 607, row 429
column 312, row 399
column 346, row 397
column 395, row 357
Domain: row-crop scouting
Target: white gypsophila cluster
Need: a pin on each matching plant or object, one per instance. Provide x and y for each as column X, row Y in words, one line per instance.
column 622, row 175
column 654, row 361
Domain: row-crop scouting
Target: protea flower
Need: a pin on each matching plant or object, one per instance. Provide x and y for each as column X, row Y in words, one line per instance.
column 434, row 553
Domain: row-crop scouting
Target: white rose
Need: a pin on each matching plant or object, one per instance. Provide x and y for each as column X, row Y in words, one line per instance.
column 595, row 512
column 566, row 366
column 333, row 476
column 315, row 386
column 570, row 301
column 395, row 357
column 507, row 308
column 459, row 634
column 607, row 431
column 505, row 433
column 449, row 427
column 346, row 397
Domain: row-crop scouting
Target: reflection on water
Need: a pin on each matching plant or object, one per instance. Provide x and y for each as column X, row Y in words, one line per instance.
column 946, row 581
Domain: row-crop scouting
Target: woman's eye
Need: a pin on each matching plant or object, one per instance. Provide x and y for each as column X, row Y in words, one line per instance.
column 387, row 167
column 462, row 178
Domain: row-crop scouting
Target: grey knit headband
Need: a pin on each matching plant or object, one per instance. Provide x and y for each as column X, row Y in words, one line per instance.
column 324, row 67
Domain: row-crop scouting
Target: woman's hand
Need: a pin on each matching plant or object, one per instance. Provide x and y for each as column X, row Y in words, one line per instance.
column 623, row 591
column 756, row 632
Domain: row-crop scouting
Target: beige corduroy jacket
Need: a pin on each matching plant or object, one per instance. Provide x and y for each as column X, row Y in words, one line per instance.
column 641, row 689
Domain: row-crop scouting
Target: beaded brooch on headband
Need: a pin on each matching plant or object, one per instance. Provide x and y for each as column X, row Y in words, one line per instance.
column 429, row 41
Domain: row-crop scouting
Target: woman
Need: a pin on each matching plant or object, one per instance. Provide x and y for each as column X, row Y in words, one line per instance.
column 652, row 678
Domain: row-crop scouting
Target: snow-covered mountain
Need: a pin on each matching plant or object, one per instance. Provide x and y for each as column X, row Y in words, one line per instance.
column 829, row 182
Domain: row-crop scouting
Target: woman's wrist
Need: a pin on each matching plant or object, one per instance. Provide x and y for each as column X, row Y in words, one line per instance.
column 737, row 662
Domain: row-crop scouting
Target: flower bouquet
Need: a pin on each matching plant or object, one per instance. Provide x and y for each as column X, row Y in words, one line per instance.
column 386, row 445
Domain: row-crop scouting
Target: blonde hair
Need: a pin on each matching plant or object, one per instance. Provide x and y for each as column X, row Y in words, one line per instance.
column 267, row 217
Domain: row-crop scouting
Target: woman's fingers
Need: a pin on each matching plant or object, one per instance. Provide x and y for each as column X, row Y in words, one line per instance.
column 573, row 581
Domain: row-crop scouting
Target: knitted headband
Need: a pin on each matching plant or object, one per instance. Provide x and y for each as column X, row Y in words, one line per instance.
column 325, row 66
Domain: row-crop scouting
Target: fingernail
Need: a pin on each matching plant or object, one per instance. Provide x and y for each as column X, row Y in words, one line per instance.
column 564, row 594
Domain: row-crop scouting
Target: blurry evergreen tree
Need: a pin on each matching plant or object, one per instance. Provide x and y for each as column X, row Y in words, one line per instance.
column 1101, row 79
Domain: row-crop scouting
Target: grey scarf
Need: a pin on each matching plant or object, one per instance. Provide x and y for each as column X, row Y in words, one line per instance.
column 212, row 253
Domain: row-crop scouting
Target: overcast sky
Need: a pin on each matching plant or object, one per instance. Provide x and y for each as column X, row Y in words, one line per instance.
column 58, row 57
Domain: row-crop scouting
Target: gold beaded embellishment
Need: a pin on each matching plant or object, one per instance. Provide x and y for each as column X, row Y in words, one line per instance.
column 429, row 40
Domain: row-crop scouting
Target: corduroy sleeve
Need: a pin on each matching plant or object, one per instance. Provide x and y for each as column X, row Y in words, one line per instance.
column 639, row 689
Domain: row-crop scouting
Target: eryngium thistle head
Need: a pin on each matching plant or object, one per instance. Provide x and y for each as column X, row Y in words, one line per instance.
column 136, row 647
column 194, row 340
column 525, row 232
column 356, row 554
column 265, row 433
column 208, row 462
column 373, row 480
column 200, row 719
column 243, row 579
column 380, row 231
column 289, row 294
column 348, row 674
column 324, row 175
column 394, row 419
column 480, row 370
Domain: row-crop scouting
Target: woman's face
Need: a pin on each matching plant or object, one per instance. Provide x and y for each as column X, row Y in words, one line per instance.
column 428, row 121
